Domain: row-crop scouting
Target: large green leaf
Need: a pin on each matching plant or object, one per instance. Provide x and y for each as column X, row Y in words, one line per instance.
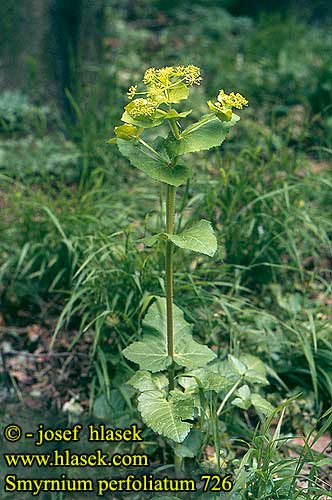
column 145, row 381
column 199, row 238
column 166, row 417
column 151, row 352
column 151, row 162
column 206, row 378
column 207, row 133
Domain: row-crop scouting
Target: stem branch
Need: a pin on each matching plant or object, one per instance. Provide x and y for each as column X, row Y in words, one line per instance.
column 228, row 395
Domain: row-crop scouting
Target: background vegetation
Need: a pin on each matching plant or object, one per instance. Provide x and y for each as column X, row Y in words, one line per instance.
column 75, row 281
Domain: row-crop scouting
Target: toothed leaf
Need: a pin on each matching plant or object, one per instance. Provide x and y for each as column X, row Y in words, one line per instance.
column 198, row 238
column 151, row 352
column 165, row 417
column 152, row 163
column 209, row 132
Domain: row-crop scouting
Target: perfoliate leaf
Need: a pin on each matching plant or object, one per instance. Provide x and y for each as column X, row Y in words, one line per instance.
column 207, row 133
column 223, row 114
column 127, row 131
column 261, row 404
column 206, row 378
column 151, row 162
column 149, row 241
column 143, row 122
column 244, row 392
column 165, row 417
column 151, row 352
column 198, row 238
column 145, row 381
column 241, row 403
column 251, row 368
column 172, row 113
column 177, row 93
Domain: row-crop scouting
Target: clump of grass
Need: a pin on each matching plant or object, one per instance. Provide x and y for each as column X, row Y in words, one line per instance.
column 265, row 471
column 17, row 113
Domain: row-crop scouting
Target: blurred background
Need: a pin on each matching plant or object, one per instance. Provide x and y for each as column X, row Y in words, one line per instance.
column 73, row 276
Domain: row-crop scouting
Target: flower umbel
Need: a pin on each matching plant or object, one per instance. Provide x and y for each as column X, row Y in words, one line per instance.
column 132, row 91
column 142, row 108
column 222, row 108
column 192, row 74
column 168, row 76
column 232, row 100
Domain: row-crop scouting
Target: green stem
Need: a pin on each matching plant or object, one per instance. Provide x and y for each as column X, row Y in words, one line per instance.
column 178, row 466
column 216, row 434
column 170, row 204
column 228, row 395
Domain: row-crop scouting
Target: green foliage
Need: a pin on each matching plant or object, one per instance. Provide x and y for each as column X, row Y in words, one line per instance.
column 151, row 162
column 264, row 470
column 209, row 132
column 29, row 159
column 165, row 416
column 17, row 112
column 167, row 340
column 151, row 353
column 199, row 238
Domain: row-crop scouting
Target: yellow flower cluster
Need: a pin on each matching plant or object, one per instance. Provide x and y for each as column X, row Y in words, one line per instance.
column 191, row 74
column 132, row 91
column 160, row 81
column 222, row 108
column 164, row 76
column 142, row 108
column 231, row 100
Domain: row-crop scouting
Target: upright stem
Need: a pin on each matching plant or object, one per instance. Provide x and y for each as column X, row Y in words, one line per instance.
column 170, row 203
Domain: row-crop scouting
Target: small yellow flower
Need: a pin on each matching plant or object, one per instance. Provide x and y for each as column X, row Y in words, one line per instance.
column 192, row 74
column 142, row 108
column 165, row 73
column 232, row 100
column 150, row 76
column 165, row 77
column 132, row 91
